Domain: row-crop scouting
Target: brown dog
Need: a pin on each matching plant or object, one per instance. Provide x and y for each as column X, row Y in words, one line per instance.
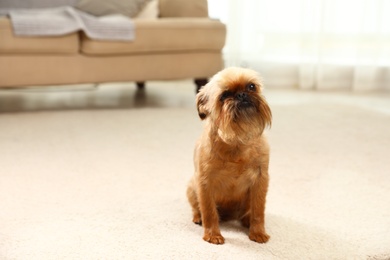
column 231, row 157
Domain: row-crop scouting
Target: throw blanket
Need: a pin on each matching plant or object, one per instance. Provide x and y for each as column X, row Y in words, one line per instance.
column 64, row 20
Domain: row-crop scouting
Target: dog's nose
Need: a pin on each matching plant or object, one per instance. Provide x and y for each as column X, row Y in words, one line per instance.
column 242, row 96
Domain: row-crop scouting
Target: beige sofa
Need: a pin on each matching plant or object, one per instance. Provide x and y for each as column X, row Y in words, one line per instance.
column 182, row 43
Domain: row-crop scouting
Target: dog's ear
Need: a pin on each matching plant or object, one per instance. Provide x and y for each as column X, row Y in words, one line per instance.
column 265, row 111
column 201, row 103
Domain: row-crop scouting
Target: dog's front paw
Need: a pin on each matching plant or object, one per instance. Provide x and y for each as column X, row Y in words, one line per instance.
column 259, row 237
column 197, row 220
column 214, row 238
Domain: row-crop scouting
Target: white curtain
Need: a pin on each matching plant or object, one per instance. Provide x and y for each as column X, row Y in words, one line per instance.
column 310, row 44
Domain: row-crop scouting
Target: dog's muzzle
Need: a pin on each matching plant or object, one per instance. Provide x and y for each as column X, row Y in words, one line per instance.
column 243, row 100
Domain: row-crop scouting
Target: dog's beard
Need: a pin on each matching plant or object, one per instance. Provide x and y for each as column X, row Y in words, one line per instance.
column 240, row 122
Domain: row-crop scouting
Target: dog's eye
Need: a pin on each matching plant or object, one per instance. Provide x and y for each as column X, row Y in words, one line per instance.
column 225, row 95
column 251, row 87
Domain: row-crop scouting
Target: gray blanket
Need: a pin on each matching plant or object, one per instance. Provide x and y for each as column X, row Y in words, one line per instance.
column 64, row 20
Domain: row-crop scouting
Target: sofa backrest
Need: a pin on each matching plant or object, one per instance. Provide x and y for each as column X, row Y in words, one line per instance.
column 183, row 8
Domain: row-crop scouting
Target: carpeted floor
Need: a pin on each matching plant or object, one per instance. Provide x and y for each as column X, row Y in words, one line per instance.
column 110, row 183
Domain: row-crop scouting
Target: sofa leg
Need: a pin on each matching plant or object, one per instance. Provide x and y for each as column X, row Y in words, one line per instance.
column 140, row 85
column 200, row 83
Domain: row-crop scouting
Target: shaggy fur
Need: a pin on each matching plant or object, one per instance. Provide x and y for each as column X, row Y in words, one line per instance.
column 232, row 155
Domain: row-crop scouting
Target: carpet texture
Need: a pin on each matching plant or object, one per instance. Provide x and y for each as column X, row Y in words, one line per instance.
column 110, row 184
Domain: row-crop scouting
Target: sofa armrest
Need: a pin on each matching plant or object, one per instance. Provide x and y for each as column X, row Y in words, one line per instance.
column 183, row 8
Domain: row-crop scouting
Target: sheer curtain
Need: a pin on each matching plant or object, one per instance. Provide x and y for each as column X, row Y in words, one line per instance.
column 310, row 44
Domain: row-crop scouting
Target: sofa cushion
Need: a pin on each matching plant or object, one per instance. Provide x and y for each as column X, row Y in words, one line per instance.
column 7, row 6
column 11, row 44
column 149, row 11
column 164, row 35
column 128, row 8
column 183, row 8
column 35, row 3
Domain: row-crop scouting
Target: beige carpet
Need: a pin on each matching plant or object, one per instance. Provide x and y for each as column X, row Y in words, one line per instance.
column 110, row 184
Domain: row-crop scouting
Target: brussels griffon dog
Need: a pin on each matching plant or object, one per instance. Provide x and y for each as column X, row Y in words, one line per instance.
column 231, row 157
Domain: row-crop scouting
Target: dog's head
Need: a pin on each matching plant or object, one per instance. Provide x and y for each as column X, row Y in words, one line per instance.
column 233, row 102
